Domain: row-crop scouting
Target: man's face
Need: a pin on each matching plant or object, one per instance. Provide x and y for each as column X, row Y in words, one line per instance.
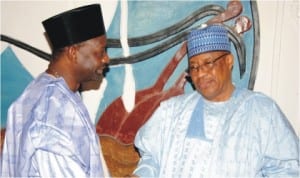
column 211, row 74
column 91, row 59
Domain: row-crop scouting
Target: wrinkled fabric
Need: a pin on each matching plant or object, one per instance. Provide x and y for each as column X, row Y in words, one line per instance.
column 49, row 134
column 246, row 136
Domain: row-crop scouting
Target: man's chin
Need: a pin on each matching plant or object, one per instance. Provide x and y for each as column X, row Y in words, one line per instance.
column 91, row 85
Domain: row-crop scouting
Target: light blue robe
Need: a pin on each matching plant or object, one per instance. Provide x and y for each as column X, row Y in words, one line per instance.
column 246, row 136
column 49, row 134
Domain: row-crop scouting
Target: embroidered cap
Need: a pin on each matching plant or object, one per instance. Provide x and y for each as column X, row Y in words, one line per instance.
column 208, row 38
column 74, row 26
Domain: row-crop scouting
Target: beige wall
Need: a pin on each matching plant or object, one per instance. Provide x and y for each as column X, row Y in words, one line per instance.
column 278, row 72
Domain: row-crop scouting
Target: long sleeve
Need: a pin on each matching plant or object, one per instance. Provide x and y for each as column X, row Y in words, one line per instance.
column 148, row 141
column 281, row 156
column 158, row 137
column 54, row 165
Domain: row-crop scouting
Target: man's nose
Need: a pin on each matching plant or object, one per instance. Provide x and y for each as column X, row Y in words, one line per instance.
column 106, row 59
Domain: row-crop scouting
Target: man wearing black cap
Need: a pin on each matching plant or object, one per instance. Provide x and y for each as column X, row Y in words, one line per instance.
column 49, row 132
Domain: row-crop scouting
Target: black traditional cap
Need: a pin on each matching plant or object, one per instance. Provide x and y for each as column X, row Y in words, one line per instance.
column 75, row 26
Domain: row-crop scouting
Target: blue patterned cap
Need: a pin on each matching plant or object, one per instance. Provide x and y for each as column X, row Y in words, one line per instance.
column 209, row 38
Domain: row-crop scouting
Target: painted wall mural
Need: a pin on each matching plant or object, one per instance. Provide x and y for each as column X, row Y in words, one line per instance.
column 146, row 44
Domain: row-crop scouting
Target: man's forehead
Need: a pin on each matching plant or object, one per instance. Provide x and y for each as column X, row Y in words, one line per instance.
column 205, row 56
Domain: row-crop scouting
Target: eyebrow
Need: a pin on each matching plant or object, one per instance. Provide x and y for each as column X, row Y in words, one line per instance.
column 204, row 59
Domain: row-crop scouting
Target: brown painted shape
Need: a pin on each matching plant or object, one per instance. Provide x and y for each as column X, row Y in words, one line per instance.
column 234, row 8
column 242, row 24
column 121, row 159
column 118, row 123
column 144, row 109
column 2, row 136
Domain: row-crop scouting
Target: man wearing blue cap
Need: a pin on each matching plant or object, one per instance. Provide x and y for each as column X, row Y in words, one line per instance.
column 219, row 130
column 49, row 132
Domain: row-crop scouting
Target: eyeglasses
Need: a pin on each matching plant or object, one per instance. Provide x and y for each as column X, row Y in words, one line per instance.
column 206, row 66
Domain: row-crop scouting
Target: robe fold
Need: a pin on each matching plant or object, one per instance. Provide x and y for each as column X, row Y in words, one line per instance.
column 246, row 136
column 49, row 133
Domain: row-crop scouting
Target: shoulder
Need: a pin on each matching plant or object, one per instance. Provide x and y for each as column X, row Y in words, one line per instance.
column 43, row 85
column 257, row 106
column 263, row 112
column 41, row 95
column 262, row 108
column 258, row 99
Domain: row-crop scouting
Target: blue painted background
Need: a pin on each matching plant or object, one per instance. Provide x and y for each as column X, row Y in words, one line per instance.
column 144, row 17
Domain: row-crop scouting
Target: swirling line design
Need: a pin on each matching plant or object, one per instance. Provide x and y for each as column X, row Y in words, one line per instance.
column 138, row 41
column 179, row 32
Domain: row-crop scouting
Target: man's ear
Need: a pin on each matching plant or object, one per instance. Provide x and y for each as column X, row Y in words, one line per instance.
column 230, row 61
column 71, row 53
